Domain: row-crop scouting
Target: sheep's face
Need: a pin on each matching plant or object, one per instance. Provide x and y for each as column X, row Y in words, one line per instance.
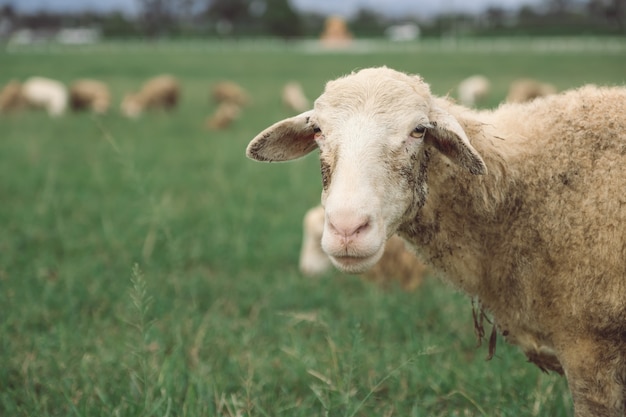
column 375, row 130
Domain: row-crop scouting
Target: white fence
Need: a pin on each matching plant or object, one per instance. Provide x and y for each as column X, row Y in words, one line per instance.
column 601, row 45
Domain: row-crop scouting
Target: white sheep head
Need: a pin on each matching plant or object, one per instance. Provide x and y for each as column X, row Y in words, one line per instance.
column 375, row 130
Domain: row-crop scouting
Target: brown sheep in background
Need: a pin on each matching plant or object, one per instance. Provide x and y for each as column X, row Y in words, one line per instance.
column 527, row 89
column 161, row 92
column 225, row 114
column 230, row 98
column 398, row 264
column 231, row 92
column 87, row 94
column 11, row 97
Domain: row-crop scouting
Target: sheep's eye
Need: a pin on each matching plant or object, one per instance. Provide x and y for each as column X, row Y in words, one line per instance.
column 418, row 132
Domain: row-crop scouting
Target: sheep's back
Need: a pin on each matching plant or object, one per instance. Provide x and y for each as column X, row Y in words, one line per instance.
column 565, row 205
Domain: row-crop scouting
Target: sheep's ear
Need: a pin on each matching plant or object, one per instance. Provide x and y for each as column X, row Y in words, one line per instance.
column 447, row 135
column 288, row 139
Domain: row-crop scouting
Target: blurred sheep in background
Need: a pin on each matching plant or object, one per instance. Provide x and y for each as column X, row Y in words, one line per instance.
column 160, row 92
column 230, row 91
column 88, row 94
column 293, row 97
column 473, row 89
column 11, row 98
column 230, row 98
column 45, row 93
column 527, row 89
column 225, row 114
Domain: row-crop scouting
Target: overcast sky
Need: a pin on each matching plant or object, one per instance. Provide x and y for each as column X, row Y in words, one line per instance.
column 344, row 8
column 405, row 7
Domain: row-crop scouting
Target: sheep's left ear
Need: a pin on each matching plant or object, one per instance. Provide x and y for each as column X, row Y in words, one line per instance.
column 288, row 139
column 447, row 135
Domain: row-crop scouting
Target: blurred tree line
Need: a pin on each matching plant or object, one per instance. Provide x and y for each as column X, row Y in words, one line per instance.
column 278, row 18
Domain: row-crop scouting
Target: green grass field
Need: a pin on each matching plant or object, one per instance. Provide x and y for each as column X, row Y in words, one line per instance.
column 147, row 268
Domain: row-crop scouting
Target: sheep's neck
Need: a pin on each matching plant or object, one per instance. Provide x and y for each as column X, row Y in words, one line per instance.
column 459, row 222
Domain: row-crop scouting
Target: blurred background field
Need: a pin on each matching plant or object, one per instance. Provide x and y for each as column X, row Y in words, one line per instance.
column 147, row 268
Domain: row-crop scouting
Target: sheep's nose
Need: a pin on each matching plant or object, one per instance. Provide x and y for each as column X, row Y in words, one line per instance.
column 348, row 226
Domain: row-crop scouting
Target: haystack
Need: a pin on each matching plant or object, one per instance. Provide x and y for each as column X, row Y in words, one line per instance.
column 336, row 33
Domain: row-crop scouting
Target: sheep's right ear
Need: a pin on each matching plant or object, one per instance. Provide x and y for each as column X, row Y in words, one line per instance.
column 288, row 139
column 448, row 136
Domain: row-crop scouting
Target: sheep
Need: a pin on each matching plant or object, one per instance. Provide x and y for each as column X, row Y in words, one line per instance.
column 521, row 207
column 473, row 89
column 313, row 261
column 90, row 94
column 396, row 264
column 11, row 98
column 225, row 114
column 294, row 98
column 160, row 92
column 527, row 89
column 231, row 92
column 45, row 93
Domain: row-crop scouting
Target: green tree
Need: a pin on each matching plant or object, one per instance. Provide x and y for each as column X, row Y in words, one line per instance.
column 496, row 17
column 280, row 19
column 231, row 10
column 157, row 17
column 612, row 12
column 231, row 17
column 368, row 23
column 116, row 24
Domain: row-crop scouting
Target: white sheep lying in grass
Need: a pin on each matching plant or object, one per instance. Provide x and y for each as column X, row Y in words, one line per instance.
column 160, row 92
column 45, row 93
column 397, row 264
column 88, row 94
column 473, row 89
column 523, row 208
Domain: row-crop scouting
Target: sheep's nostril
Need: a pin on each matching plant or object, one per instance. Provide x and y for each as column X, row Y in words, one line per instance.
column 362, row 228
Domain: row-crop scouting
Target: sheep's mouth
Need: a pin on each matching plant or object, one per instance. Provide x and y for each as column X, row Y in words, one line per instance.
column 355, row 264
column 351, row 260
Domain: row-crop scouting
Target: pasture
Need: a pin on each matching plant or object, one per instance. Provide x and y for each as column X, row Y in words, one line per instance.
column 147, row 268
